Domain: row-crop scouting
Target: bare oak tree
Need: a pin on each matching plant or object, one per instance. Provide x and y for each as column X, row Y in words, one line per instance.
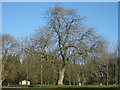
column 71, row 37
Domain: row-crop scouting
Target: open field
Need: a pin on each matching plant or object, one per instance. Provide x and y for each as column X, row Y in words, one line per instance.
column 65, row 86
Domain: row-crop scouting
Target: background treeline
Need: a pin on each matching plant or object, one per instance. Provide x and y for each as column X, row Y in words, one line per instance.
column 18, row 66
column 64, row 52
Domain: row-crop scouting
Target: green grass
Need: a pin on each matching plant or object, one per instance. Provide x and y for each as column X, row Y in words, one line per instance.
column 66, row 86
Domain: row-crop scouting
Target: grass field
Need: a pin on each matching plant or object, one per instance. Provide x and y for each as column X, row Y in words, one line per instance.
column 65, row 86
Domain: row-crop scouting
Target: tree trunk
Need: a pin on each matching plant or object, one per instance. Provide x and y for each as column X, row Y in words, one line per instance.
column 0, row 81
column 107, row 76
column 116, row 74
column 41, row 74
column 61, row 75
column 69, row 79
column 118, row 71
column 26, row 73
column 1, row 66
column 0, row 84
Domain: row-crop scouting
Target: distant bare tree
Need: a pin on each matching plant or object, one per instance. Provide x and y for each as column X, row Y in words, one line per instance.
column 116, row 54
column 8, row 48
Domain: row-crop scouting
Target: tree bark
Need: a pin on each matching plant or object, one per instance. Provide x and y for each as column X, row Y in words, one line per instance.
column 61, row 75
